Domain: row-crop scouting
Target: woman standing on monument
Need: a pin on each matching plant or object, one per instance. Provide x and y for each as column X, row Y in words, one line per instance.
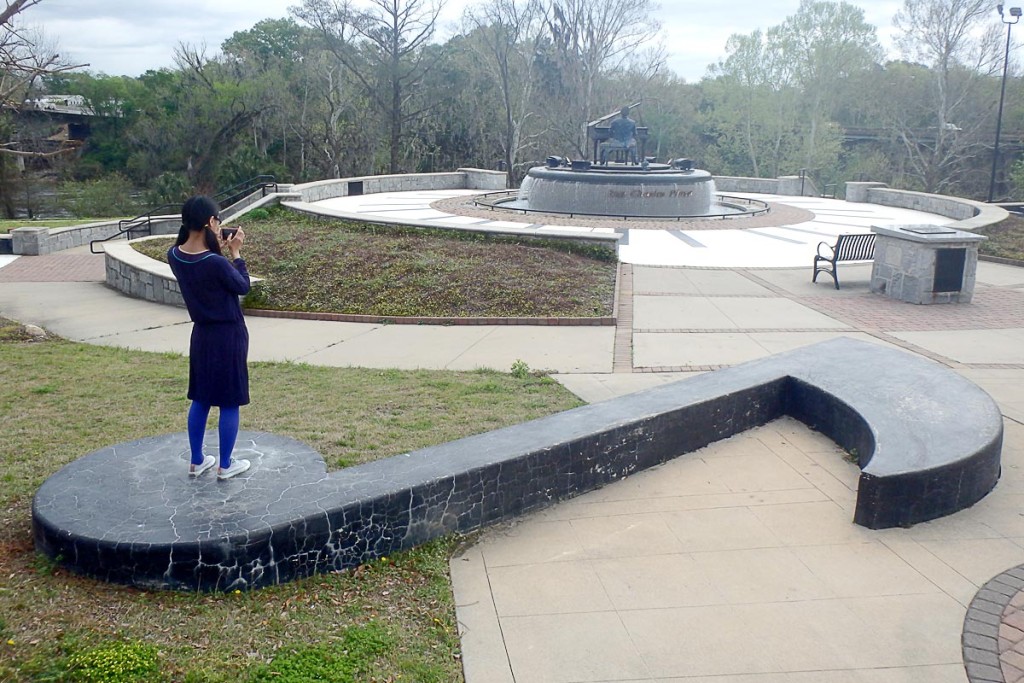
column 210, row 284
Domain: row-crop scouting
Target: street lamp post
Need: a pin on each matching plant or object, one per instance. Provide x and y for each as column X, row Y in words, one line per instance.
column 1015, row 13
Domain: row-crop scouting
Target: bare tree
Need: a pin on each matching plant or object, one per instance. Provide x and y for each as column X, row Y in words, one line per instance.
column 956, row 41
column 383, row 48
column 592, row 38
column 507, row 36
column 24, row 59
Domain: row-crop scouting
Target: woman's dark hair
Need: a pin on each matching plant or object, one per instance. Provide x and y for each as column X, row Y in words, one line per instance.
column 195, row 216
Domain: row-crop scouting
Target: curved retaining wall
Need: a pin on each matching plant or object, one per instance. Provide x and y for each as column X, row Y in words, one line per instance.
column 33, row 241
column 969, row 214
column 138, row 276
column 122, row 514
column 463, row 179
column 741, row 184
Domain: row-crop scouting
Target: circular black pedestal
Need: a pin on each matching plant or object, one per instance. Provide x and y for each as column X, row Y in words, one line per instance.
column 131, row 514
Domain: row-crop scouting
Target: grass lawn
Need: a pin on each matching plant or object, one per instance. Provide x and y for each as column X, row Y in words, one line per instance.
column 1005, row 239
column 391, row 621
column 348, row 267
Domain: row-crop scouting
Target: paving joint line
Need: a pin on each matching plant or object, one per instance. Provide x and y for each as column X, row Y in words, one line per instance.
column 698, row 295
column 622, row 354
column 818, row 307
column 680, row 368
column 738, row 330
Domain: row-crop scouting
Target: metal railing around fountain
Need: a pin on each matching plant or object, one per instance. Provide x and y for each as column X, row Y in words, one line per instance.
column 747, row 207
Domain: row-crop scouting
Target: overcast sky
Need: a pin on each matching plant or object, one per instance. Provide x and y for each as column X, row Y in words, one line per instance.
column 127, row 37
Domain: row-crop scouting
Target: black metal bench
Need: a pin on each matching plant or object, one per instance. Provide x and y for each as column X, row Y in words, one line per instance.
column 847, row 248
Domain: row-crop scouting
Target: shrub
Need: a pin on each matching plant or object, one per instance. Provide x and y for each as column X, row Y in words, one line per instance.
column 1016, row 178
column 109, row 196
column 520, row 370
column 259, row 214
column 168, row 188
column 360, row 646
column 121, row 662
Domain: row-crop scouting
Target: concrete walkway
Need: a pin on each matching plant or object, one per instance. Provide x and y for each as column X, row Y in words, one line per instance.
column 736, row 564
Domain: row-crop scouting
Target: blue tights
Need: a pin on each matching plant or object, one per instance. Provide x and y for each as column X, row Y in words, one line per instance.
column 227, row 430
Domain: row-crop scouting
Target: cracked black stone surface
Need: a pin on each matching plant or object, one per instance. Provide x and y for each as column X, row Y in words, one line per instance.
column 928, row 443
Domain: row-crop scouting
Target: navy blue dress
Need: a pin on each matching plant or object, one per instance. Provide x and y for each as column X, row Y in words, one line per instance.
column 210, row 284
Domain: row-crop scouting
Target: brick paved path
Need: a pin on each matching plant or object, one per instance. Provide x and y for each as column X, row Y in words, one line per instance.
column 61, row 267
column 992, row 308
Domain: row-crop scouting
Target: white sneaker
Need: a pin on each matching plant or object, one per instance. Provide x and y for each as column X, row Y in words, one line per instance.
column 237, row 467
column 208, row 462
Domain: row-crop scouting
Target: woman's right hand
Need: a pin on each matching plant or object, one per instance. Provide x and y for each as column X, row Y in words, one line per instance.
column 234, row 244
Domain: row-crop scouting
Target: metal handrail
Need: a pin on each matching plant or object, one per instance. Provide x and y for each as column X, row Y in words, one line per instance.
column 234, row 194
column 143, row 223
column 492, row 201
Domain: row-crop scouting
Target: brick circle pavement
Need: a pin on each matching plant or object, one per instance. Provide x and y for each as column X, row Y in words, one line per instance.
column 993, row 634
column 778, row 214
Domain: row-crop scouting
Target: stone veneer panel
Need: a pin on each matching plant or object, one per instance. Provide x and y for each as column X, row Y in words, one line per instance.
column 139, row 276
column 951, row 207
column 33, row 241
column 905, row 263
column 928, row 442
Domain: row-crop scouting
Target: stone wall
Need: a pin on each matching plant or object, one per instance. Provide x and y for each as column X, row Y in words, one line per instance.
column 481, row 179
column 728, row 184
column 33, row 241
column 969, row 214
column 139, row 276
column 463, row 179
column 951, row 207
column 858, row 192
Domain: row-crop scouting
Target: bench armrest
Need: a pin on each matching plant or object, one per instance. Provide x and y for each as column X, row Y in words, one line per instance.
column 831, row 250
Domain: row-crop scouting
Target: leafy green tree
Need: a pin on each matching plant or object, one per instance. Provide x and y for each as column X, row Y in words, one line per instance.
column 825, row 44
column 1016, row 178
column 275, row 56
column 114, row 101
column 107, row 196
column 754, row 100
column 192, row 119
column 464, row 128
